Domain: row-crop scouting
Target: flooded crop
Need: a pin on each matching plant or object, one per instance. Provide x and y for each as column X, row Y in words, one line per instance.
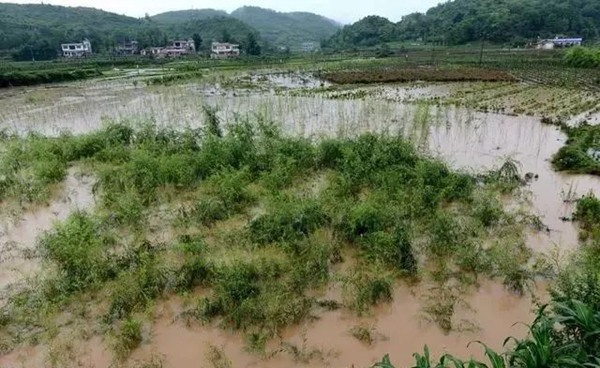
column 286, row 223
column 430, row 74
column 259, row 272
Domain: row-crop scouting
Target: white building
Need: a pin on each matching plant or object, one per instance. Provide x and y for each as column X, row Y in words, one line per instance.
column 175, row 49
column 559, row 42
column 127, row 48
column 224, row 50
column 179, row 48
column 77, row 50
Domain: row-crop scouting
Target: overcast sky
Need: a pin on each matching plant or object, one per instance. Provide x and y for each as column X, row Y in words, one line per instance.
column 346, row 11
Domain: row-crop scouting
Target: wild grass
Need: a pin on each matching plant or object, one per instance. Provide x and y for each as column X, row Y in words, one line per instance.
column 127, row 338
column 246, row 232
column 581, row 153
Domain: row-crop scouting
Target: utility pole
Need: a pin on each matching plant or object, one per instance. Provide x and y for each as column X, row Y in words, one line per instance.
column 481, row 53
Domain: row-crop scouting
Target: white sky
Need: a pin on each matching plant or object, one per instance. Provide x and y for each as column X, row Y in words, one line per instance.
column 346, row 11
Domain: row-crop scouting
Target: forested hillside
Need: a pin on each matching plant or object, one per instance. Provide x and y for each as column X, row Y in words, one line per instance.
column 287, row 29
column 463, row 21
column 182, row 16
column 35, row 23
column 223, row 29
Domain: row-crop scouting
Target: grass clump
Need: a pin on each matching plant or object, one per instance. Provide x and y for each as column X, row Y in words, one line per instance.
column 128, row 338
column 363, row 334
column 366, row 288
column 581, row 154
column 80, row 248
column 290, row 220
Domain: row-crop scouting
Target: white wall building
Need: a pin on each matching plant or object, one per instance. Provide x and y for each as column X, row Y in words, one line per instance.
column 559, row 42
column 224, row 50
column 77, row 50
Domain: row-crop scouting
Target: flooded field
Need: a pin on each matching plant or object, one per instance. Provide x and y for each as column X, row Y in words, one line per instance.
column 19, row 231
column 430, row 116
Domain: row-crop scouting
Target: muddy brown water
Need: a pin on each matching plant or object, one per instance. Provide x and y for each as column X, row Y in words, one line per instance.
column 18, row 233
column 398, row 328
column 465, row 139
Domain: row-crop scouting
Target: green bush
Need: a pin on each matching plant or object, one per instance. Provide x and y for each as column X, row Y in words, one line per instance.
column 289, row 221
column 363, row 289
column 393, row 249
column 363, row 219
column 81, row 250
column 128, row 338
column 583, row 57
column 588, row 212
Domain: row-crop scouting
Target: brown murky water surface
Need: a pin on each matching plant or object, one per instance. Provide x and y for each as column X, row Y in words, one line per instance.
column 18, row 233
column 399, row 328
column 466, row 139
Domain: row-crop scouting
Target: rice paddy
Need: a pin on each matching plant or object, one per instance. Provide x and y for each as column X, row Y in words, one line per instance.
column 243, row 218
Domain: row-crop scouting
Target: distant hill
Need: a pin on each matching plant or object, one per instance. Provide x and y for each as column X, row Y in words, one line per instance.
column 182, row 16
column 287, row 29
column 462, row 21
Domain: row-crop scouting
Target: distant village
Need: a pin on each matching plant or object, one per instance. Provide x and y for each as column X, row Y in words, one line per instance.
column 224, row 50
column 219, row 50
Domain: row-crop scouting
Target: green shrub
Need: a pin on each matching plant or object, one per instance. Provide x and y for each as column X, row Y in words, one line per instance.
column 289, row 221
column 572, row 158
column 81, row 250
column 488, row 210
column 363, row 219
column 393, row 249
column 583, row 57
column 128, row 338
column 363, row 289
column 588, row 212
column 445, row 234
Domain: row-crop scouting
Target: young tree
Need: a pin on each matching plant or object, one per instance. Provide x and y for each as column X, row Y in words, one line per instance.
column 226, row 36
column 252, row 46
column 197, row 42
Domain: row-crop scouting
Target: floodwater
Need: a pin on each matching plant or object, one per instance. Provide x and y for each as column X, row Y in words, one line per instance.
column 399, row 329
column 18, row 235
column 465, row 139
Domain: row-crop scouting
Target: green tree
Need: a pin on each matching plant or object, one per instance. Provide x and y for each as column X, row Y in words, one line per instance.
column 226, row 36
column 197, row 41
column 252, row 47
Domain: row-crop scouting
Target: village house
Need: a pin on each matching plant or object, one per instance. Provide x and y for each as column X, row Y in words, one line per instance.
column 127, row 48
column 77, row 50
column 309, row 47
column 175, row 49
column 224, row 50
column 558, row 42
column 180, row 48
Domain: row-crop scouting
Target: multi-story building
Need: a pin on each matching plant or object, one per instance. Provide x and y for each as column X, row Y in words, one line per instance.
column 224, row 50
column 77, row 50
column 127, row 48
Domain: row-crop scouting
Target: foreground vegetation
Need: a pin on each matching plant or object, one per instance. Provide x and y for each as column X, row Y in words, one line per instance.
column 257, row 221
column 408, row 74
column 582, row 151
column 566, row 332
